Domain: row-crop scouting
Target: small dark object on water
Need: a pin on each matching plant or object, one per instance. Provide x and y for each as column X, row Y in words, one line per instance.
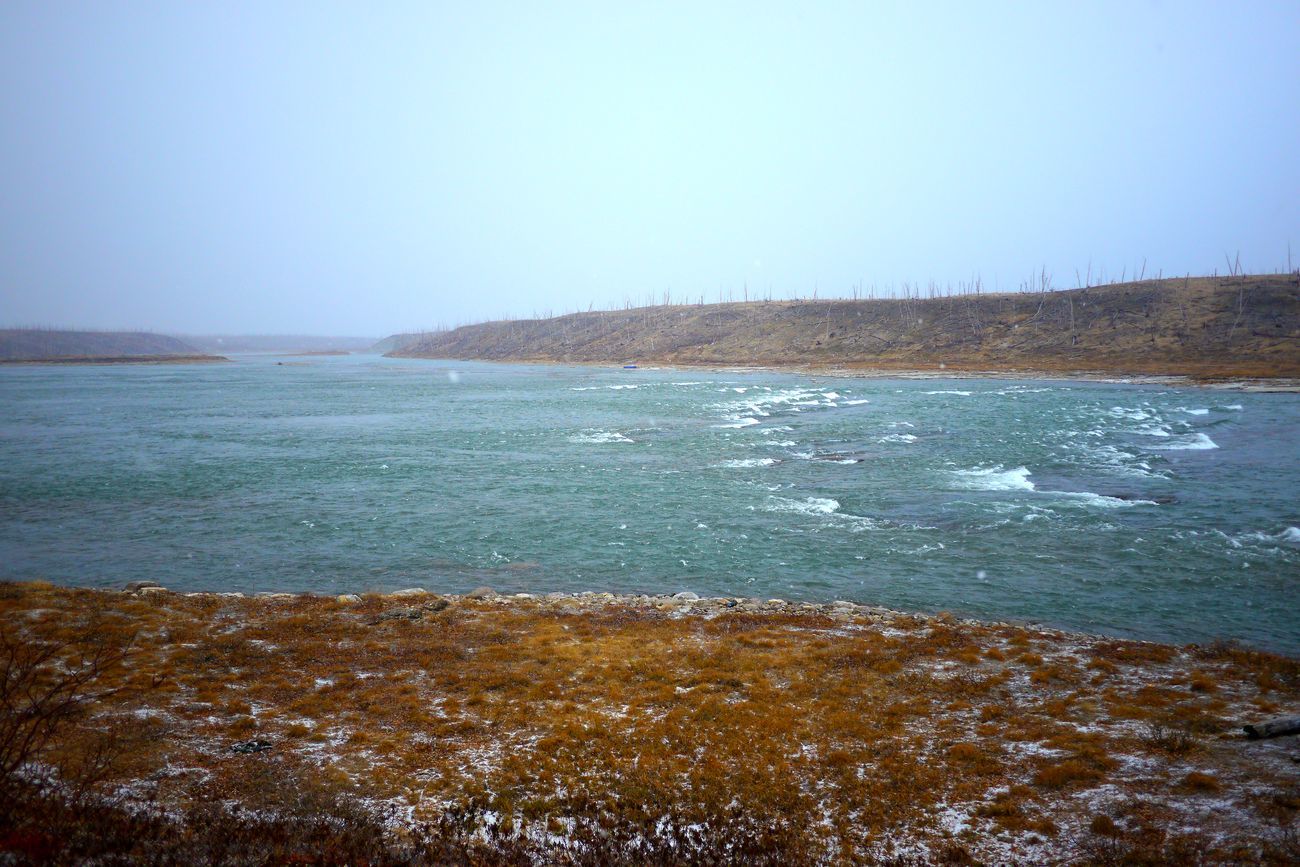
column 1274, row 728
column 629, row 367
column 839, row 458
column 248, row 747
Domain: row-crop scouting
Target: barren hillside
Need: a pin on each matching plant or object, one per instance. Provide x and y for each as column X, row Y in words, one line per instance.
column 27, row 344
column 1206, row 327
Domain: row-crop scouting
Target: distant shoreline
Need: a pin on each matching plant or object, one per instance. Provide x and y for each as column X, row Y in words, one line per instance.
column 311, row 352
column 1261, row 383
column 118, row 359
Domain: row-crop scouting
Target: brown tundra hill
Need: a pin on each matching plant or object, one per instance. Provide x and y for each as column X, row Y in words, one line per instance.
column 1204, row 327
column 41, row 344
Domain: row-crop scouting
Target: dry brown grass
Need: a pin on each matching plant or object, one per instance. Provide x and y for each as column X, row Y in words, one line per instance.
column 822, row 740
column 1199, row 782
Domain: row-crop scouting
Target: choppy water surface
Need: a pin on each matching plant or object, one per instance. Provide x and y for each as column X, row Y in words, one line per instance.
column 1161, row 513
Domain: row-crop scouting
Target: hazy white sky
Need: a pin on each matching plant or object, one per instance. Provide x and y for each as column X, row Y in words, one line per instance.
column 365, row 168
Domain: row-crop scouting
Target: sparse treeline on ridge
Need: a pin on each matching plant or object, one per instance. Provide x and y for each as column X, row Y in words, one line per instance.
column 1197, row 326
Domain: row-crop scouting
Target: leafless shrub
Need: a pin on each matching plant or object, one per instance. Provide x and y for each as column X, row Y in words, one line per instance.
column 47, row 685
column 1175, row 740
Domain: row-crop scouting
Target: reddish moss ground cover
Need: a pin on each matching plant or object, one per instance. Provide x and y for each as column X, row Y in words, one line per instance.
column 597, row 729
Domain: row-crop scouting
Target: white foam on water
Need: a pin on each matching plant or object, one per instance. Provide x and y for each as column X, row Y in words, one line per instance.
column 962, row 393
column 809, row 506
column 762, row 405
column 691, row 383
column 740, row 422
column 1087, row 498
column 995, row 479
column 1235, row 407
column 1289, row 536
column 780, row 429
column 901, row 424
column 1194, row 411
column 807, row 456
column 748, row 462
column 1152, row 430
column 587, row 388
column 826, row 508
column 785, row 444
column 1133, row 414
column 897, row 438
column 1194, row 442
column 619, row 387
column 999, row 479
column 1120, row 461
column 599, row 436
column 830, row 395
column 857, row 402
column 1020, row 389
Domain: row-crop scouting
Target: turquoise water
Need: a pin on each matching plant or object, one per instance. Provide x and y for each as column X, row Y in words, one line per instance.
column 1133, row 510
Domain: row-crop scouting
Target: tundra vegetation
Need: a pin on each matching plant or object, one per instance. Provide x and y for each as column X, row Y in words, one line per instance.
column 156, row 727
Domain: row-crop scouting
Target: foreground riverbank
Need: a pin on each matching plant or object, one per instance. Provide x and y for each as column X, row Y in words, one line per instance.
column 596, row 728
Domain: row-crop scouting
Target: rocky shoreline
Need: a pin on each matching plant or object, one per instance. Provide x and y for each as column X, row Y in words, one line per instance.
column 681, row 604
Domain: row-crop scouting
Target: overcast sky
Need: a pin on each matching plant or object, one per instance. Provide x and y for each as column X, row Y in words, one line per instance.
column 363, row 168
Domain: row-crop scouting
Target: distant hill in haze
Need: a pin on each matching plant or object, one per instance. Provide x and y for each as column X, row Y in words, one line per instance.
column 1205, row 327
column 394, row 342
column 32, row 344
column 280, row 343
